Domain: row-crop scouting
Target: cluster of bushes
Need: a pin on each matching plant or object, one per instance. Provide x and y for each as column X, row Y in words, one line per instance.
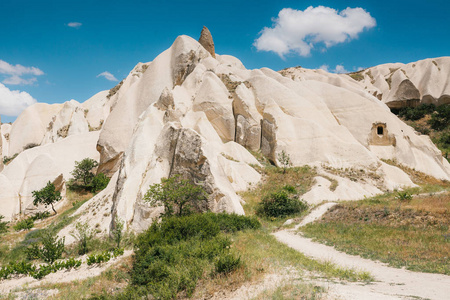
column 28, row 223
column 281, row 204
column 105, row 256
column 84, row 177
column 171, row 256
column 415, row 113
column 37, row 272
column 440, row 115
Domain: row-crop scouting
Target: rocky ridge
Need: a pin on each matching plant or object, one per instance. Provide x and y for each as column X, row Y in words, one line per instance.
column 191, row 111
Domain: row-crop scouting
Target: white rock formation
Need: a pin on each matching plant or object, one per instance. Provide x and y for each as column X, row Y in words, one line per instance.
column 190, row 113
column 396, row 84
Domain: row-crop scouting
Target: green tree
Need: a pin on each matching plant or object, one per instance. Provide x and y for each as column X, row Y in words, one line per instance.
column 179, row 196
column 47, row 196
column 52, row 247
column 83, row 171
column 285, row 160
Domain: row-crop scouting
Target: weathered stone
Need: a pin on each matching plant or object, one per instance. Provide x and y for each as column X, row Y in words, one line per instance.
column 206, row 41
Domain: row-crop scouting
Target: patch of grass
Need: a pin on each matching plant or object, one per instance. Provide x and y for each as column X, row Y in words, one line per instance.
column 293, row 291
column 428, row 183
column 299, row 179
column 413, row 234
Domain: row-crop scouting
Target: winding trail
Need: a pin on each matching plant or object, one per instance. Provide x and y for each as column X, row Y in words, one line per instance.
column 391, row 283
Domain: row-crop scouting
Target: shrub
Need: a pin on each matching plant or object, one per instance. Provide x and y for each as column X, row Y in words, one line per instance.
column 99, row 182
column 47, row 196
column 52, row 247
column 24, row 224
column 279, row 204
column 83, row 233
column 8, row 159
column 285, row 160
column 179, row 196
column 117, row 233
column 3, row 225
column 83, row 171
column 171, row 256
column 227, row 263
column 441, row 118
column 40, row 216
column 403, row 196
column 416, row 113
column 33, row 251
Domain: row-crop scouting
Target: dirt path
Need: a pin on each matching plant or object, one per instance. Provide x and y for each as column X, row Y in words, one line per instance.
column 391, row 283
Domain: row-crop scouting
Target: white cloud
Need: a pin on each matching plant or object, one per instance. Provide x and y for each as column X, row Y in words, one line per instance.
column 325, row 68
column 339, row 69
column 75, row 24
column 12, row 103
column 108, row 76
column 16, row 71
column 300, row 31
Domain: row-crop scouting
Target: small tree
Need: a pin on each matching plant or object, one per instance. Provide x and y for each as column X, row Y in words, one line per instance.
column 83, row 233
column 52, row 247
column 178, row 195
column 118, row 231
column 47, row 196
column 285, row 160
column 83, row 171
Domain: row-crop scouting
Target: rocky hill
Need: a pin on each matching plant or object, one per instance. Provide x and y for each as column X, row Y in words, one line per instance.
column 397, row 85
column 194, row 112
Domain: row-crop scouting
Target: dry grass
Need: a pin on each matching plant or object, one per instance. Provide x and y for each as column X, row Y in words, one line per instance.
column 418, row 177
column 301, row 178
column 413, row 234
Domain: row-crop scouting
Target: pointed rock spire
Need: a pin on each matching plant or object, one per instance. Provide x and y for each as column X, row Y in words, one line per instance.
column 206, row 41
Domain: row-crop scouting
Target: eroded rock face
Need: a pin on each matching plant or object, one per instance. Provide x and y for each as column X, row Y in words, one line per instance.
column 406, row 95
column 206, row 41
column 192, row 113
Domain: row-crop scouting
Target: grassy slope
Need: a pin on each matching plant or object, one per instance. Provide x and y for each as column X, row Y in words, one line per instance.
column 413, row 234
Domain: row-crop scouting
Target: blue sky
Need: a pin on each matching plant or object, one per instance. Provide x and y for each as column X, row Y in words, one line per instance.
column 113, row 36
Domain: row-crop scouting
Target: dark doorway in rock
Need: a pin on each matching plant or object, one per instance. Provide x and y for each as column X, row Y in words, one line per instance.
column 380, row 130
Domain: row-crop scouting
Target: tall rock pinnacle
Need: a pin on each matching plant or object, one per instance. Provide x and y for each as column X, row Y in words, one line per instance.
column 206, row 41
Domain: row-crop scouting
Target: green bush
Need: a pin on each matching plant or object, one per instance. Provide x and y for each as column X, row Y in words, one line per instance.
column 24, row 224
column 3, row 225
column 83, row 171
column 279, row 205
column 171, row 256
column 33, row 251
column 441, row 118
column 99, row 182
column 227, row 263
column 40, row 216
column 416, row 113
column 403, row 196
column 98, row 258
column 52, row 247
